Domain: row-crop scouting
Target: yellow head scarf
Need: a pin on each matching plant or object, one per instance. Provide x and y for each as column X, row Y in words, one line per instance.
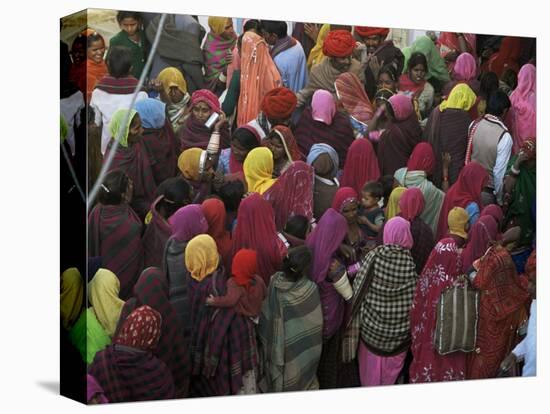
column 116, row 125
column 72, row 296
column 457, row 220
column 201, row 256
column 217, row 24
column 189, row 163
column 258, row 170
column 392, row 208
column 103, row 290
column 172, row 77
column 461, row 97
column 316, row 54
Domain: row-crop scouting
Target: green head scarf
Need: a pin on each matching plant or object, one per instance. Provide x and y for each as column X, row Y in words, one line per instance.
column 436, row 64
column 115, row 126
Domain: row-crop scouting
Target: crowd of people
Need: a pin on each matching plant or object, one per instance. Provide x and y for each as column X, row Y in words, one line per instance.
column 283, row 212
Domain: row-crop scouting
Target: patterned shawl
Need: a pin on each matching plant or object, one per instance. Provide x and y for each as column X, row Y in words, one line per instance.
column 290, row 333
column 352, row 96
column 381, row 302
column 115, row 235
column 441, row 271
column 215, row 51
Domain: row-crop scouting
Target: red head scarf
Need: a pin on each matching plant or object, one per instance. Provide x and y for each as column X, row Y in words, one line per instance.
column 204, row 95
column 467, row 189
column 279, row 103
column 289, row 142
column 361, row 165
column 365, row 31
column 351, row 94
column 141, row 329
column 507, row 56
column 494, row 211
column 215, row 214
column 244, row 267
column 338, row 43
column 343, row 196
column 531, row 267
column 422, row 158
column 411, row 203
column 483, row 232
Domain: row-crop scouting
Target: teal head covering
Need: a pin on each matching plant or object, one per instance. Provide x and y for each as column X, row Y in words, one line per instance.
column 436, row 64
column 115, row 126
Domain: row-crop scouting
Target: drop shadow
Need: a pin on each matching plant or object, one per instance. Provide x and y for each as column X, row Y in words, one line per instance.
column 51, row 386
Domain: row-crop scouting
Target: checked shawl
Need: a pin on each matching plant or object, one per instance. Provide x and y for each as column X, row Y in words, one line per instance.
column 383, row 293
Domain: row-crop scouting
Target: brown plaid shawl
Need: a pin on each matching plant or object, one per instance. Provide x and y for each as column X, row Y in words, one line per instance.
column 383, row 293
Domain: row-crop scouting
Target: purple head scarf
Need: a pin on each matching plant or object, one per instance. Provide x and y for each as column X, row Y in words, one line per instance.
column 188, row 222
column 398, row 231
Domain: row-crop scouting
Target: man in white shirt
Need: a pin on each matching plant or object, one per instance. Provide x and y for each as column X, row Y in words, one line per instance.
column 490, row 144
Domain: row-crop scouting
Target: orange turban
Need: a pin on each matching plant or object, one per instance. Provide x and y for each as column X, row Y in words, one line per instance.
column 365, row 31
column 338, row 43
column 279, row 103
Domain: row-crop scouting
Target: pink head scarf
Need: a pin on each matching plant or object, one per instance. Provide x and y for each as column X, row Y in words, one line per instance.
column 402, row 106
column 411, row 203
column 465, row 68
column 204, row 95
column 398, row 231
column 188, row 222
column 523, row 120
column 323, row 107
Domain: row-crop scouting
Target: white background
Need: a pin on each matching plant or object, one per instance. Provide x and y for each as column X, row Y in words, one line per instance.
column 29, row 209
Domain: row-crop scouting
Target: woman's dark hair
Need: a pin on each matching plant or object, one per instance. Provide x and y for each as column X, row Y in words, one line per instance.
column 488, row 84
column 417, row 58
column 231, row 193
column 121, row 15
column 176, row 192
column 89, row 39
column 389, row 70
column 245, row 138
column 279, row 28
column 113, row 188
column 497, row 103
column 387, row 184
column 297, row 226
column 119, row 61
column 252, row 24
column 296, row 262
column 510, row 77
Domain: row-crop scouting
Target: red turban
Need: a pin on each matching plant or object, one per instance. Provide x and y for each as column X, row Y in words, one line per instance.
column 338, row 43
column 244, row 267
column 204, row 95
column 279, row 103
column 365, row 31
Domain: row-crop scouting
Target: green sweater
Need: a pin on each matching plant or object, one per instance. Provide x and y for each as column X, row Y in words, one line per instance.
column 139, row 51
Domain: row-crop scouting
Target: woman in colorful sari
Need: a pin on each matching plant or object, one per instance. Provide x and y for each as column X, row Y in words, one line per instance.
column 413, row 83
column 215, row 215
column 231, row 160
column 256, row 230
column 379, row 329
column 324, row 160
column 522, row 118
column 361, row 165
column 352, row 97
column 397, row 142
column 174, row 194
column 520, row 191
column 173, row 92
column 416, row 175
column 186, row 223
column 151, row 289
column 436, row 72
column 127, row 370
column 259, row 75
column 324, row 242
column 411, row 205
column 158, row 139
column 114, row 231
column 217, row 48
column 482, row 234
column 285, row 150
column 223, row 343
column 93, row 331
column 194, row 134
column 447, row 130
column 465, row 193
column 503, row 308
column 132, row 158
column 290, row 328
column 323, row 124
column 441, row 271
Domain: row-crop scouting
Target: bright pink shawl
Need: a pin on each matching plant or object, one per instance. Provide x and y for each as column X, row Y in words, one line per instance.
column 522, row 118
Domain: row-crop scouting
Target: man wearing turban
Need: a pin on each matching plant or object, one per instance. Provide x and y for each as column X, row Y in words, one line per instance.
column 276, row 109
column 338, row 47
column 378, row 53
